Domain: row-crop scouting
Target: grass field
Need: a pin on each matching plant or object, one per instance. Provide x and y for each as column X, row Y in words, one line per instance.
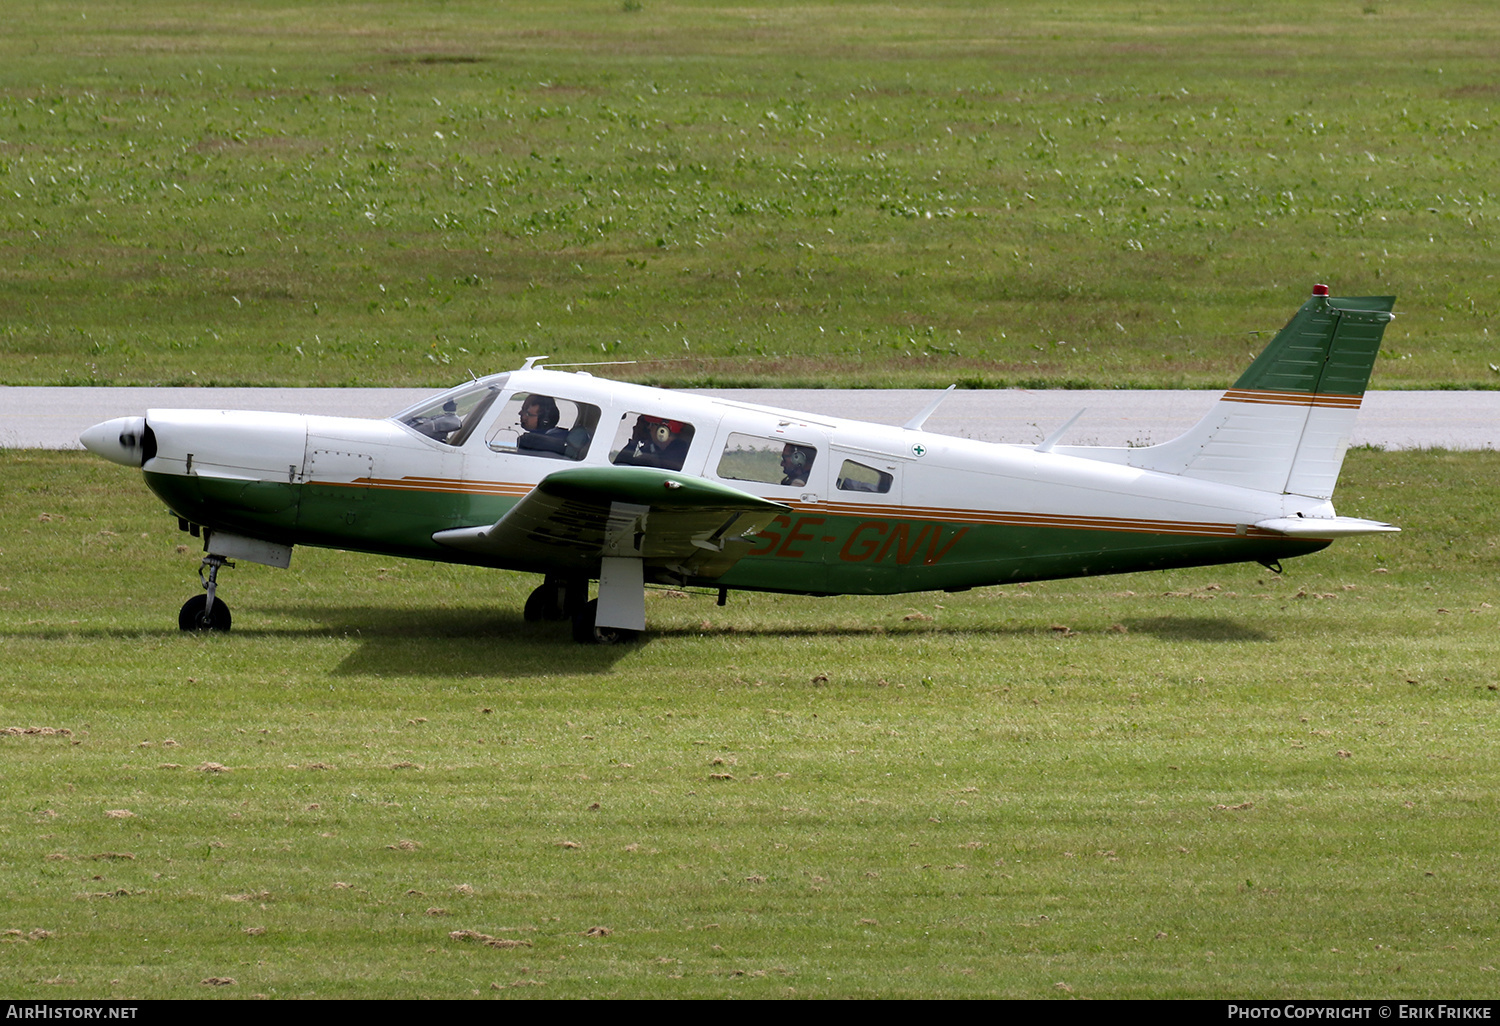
column 382, row 783
column 1045, row 193
column 1191, row 784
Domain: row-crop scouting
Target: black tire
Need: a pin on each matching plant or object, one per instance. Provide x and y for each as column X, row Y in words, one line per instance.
column 548, row 601
column 586, row 632
column 536, row 605
column 192, row 618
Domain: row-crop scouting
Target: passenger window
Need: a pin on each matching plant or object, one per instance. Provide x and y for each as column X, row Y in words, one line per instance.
column 644, row 440
column 766, row 460
column 533, row 424
column 856, row 477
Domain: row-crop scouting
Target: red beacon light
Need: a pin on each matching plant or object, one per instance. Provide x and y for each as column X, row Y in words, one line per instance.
column 1320, row 290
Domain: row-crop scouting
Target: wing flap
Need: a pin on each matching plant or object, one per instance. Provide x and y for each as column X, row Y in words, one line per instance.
column 576, row 517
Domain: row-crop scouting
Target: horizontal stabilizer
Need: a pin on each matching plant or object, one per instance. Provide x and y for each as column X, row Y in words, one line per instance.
column 1325, row 527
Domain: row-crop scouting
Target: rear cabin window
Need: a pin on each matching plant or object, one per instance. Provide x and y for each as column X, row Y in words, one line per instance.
column 773, row 461
column 645, row 440
column 533, row 424
column 856, row 477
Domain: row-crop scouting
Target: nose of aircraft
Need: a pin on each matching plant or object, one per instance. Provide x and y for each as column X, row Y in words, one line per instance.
column 122, row 440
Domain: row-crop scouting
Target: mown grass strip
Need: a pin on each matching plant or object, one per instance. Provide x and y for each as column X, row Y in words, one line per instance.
column 1209, row 783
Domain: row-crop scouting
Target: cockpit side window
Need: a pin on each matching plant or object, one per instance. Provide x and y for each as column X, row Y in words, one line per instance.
column 856, row 477
column 774, row 461
column 646, row 440
column 451, row 417
column 552, row 427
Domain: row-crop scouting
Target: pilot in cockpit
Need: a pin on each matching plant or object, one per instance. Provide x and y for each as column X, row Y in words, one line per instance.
column 540, row 432
column 540, row 416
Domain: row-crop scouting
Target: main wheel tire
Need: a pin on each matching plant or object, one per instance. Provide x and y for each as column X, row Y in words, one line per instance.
column 547, row 601
column 587, row 632
column 536, row 604
column 193, row 618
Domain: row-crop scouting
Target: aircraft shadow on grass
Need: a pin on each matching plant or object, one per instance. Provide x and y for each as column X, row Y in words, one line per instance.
column 482, row 643
column 396, row 642
column 1195, row 628
column 479, row 643
column 1164, row 628
column 453, row 642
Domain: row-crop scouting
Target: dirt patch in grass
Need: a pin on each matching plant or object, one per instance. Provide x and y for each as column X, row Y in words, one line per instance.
column 488, row 941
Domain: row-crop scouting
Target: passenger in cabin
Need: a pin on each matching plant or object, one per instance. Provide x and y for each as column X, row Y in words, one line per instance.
column 796, row 463
column 656, row 442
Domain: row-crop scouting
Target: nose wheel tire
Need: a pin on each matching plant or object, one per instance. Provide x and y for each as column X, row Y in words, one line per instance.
column 196, row 617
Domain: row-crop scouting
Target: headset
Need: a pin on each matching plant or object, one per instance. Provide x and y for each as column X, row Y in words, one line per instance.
column 661, row 431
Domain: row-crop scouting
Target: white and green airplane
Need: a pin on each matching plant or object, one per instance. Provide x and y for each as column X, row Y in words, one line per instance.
column 581, row 479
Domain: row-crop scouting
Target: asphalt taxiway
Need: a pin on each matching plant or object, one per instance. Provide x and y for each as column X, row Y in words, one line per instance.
column 52, row 418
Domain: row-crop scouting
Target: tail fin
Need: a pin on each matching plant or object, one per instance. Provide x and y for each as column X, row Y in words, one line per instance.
column 1286, row 423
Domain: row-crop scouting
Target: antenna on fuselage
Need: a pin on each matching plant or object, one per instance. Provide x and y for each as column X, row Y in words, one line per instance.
column 532, row 361
column 915, row 424
column 1056, row 436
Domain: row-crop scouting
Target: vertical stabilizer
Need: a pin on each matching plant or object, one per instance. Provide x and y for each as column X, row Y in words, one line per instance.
column 1286, row 423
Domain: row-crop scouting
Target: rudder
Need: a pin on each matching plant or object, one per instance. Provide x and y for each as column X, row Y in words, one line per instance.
column 1285, row 424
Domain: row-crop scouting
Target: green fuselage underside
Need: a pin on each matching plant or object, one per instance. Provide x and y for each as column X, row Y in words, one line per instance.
column 806, row 551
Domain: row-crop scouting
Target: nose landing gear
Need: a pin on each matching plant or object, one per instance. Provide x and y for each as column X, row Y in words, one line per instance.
column 204, row 612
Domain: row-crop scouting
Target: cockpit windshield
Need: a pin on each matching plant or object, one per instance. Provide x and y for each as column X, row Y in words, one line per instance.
column 452, row 416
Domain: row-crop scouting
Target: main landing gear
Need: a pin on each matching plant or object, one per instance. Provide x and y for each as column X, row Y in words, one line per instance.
column 586, row 630
column 204, row 612
column 567, row 598
column 556, row 598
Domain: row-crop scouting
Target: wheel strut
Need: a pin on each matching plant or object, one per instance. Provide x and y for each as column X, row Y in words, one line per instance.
column 211, row 582
column 206, row 612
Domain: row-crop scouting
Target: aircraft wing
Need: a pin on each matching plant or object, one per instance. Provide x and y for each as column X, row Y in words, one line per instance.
column 575, row 517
